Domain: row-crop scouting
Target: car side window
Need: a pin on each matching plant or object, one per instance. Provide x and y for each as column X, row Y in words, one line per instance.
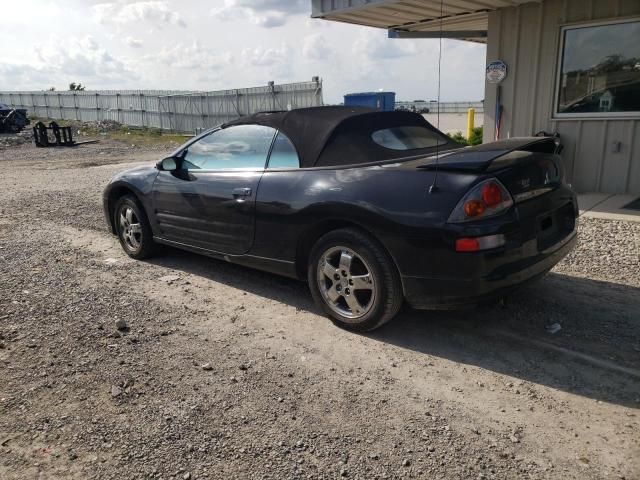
column 283, row 153
column 238, row 147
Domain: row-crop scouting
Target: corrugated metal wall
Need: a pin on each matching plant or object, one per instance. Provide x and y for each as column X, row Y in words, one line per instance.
column 188, row 112
column 527, row 38
column 178, row 111
column 132, row 107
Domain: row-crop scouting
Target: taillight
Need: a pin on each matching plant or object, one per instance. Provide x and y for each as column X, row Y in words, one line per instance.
column 487, row 199
column 474, row 208
column 467, row 245
column 491, row 194
column 475, row 244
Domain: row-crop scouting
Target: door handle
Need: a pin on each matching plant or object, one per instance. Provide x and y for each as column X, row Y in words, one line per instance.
column 241, row 192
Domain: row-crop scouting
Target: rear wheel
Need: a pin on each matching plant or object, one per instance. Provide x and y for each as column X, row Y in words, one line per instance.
column 133, row 228
column 354, row 280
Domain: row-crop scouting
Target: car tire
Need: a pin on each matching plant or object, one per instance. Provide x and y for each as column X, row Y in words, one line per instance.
column 133, row 229
column 350, row 299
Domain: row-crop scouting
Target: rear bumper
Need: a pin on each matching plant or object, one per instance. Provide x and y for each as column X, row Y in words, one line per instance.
column 492, row 279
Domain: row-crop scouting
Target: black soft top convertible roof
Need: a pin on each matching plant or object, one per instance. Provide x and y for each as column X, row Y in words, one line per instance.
column 331, row 136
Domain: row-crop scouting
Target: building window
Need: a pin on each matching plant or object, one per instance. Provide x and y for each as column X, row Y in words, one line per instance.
column 599, row 70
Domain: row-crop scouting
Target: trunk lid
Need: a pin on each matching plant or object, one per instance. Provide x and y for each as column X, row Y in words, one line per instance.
column 489, row 156
column 531, row 174
column 527, row 167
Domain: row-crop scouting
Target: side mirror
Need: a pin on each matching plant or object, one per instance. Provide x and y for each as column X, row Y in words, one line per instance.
column 168, row 164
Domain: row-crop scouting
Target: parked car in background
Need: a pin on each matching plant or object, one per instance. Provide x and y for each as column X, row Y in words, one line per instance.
column 371, row 208
column 12, row 120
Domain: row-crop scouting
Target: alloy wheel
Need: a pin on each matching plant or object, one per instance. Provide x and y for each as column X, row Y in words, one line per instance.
column 130, row 228
column 346, row 282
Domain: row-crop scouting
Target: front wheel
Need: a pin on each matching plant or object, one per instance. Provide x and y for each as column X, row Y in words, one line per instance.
column 133, row 228
column 354, row 280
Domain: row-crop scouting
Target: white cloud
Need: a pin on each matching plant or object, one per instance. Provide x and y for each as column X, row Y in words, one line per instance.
column 315, row 48
column 191, row 57
column 317, row 23
column 122, row 12
column 277, row 61
column 82, row 60
column 17, row 76
column 270, row 20
column 262, row 57
column 374, row 45
column 291, row 6
column 228, row 54
column 133, row 42
column 88, row 43
column 265, row 13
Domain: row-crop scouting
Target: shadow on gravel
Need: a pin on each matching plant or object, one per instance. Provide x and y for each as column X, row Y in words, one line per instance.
column 264, row 284
column 596, row 354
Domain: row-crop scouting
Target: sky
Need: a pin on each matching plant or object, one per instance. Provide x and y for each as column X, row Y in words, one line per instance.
column 221, row 44
column 586, row 47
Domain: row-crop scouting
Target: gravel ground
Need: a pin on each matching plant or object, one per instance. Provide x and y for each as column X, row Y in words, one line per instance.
column 184, row 367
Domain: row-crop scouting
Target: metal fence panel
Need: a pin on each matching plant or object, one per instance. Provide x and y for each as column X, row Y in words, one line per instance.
column 445, row 107
column 180, row 111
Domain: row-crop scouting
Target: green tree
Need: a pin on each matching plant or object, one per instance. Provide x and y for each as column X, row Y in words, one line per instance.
column 76, row 87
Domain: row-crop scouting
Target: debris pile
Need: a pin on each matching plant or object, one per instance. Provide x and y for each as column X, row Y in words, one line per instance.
column 20, row 138
column 101, row 125
column 11, row 141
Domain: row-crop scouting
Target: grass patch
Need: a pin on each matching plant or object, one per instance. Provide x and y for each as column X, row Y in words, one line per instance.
column 139, row 137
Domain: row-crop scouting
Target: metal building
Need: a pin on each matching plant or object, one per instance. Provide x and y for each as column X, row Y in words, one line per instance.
column 572, row 67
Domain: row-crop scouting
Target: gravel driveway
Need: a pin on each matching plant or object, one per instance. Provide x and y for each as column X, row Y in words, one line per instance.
column 222, row 372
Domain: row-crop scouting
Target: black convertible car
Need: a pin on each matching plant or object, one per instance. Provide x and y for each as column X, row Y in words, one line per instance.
column 371, row 208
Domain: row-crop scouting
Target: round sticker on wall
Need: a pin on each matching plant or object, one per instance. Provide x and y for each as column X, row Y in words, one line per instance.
column 496, row 71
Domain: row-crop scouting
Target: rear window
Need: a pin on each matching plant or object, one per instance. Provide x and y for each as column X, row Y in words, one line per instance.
column 407, row 138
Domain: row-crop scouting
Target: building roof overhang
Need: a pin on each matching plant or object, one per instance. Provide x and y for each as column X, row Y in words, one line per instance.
column 460, row 19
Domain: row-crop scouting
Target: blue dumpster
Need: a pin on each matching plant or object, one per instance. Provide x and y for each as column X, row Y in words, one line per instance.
column 385, row 101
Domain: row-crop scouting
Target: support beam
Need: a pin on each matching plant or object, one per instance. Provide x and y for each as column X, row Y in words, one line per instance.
column 459, row 34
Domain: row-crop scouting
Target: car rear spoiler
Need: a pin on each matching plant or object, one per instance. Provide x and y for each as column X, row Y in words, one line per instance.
column 491, row 156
